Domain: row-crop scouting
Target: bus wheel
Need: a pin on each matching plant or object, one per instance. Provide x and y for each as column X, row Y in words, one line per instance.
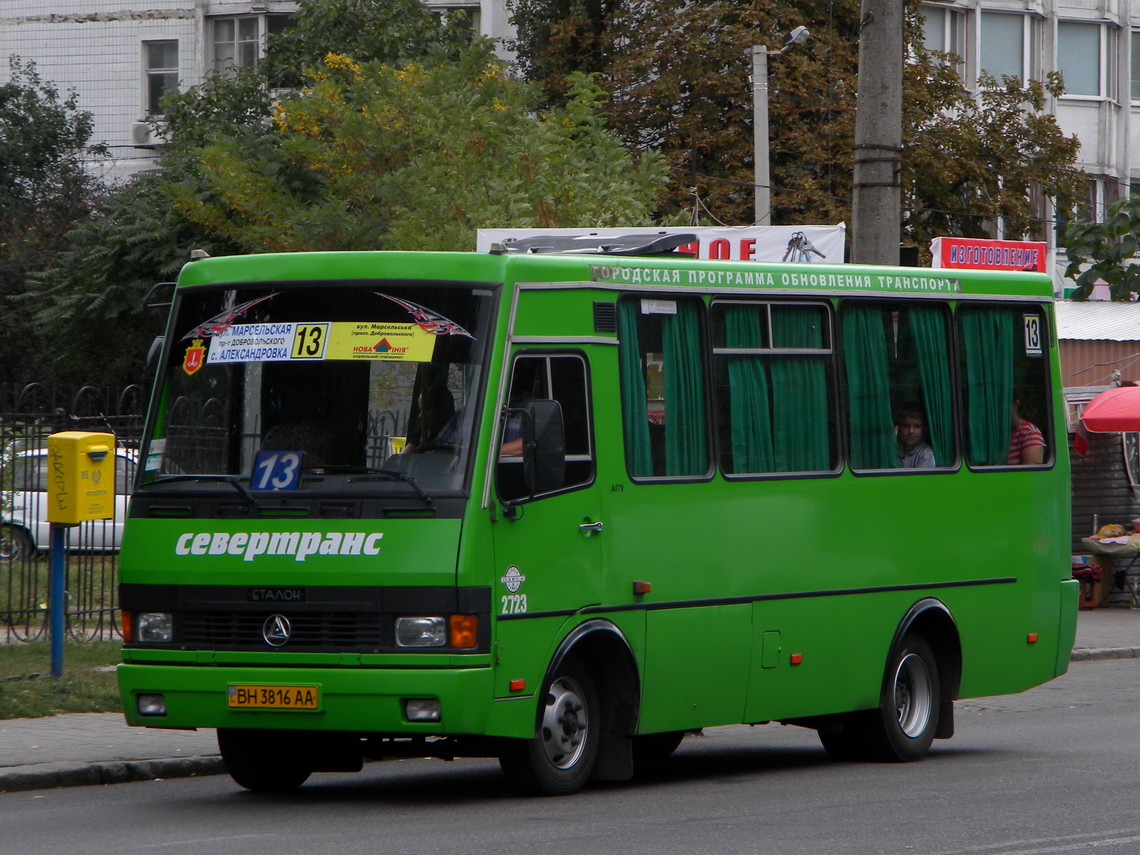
column 265, row 761
column 903, row 727
column 908, row 710
column 558, row 760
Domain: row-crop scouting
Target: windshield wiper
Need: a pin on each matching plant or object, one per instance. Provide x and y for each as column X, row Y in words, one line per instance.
column 393, row 475
column 232, row 480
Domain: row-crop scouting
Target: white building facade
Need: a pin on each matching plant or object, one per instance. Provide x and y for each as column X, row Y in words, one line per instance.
column 1095, row 44
column 122, row 56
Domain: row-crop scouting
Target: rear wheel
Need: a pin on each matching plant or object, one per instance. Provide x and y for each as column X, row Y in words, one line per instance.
column 265, row 761
column 559, row 758
column 903, row 727
column 15, row 544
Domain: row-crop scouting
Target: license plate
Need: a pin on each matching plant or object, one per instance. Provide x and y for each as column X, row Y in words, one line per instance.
column 260, row 697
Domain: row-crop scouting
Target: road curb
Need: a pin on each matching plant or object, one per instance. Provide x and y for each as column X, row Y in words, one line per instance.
column 1088, row 654
column 46, row 776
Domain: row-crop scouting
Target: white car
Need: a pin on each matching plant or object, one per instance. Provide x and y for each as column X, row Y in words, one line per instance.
column 24, row 526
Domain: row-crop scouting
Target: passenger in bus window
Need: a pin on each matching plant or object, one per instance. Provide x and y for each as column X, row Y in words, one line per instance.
column 910, row 429
column 1026, row 444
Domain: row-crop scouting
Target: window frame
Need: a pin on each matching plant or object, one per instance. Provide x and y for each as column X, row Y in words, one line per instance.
column 1026, row 46
column 591, row 457
column 153, row 73
column 704, row 352
column 1103, row 59
column 1044, row 420
column 837, row 448
column 948, row 315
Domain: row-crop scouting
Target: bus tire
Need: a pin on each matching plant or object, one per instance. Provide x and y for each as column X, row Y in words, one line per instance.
column 264, row 761
column 558, row 759
column 910, row 703
column 902, row 729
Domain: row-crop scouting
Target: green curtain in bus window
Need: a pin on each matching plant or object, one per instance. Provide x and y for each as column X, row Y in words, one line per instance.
column 686, row 446
column 750, row 415
column 987, row 345
column 865, row 357
column 801, row 430
column 928, row 331
column 635, row 412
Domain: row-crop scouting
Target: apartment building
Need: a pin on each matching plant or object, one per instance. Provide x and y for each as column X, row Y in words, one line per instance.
column 122, row 56
column 1095, row 44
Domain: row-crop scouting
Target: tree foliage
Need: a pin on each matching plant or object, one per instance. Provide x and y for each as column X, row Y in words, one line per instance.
column 401, row 134
column 370, row 156
column 677, row 74
column 1106, row 252
column 44, row 191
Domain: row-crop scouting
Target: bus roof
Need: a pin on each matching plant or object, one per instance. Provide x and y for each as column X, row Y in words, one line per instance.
column 666, row 273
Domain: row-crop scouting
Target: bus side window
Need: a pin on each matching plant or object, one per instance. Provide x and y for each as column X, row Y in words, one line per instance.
column 562, row 378
column 1004, row 373
column 774, row 382
column 896, row 359
column 664, row 408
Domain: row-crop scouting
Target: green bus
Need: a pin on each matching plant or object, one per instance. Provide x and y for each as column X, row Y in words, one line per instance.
column 563, row 508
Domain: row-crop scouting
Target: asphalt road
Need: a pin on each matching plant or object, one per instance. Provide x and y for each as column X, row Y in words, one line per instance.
column 1051, row 771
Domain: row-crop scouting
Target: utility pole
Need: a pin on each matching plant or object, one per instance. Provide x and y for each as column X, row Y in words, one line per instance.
column 760, row 154
column 876, row 204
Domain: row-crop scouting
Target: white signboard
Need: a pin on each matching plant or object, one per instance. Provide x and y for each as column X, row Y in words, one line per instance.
column 802, row 244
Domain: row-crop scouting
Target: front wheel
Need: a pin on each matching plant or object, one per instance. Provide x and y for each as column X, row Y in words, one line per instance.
column 15, row 544
column 265, row 761
column 558, row 760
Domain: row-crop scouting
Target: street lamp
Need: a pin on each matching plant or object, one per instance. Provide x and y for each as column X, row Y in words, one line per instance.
column 760, row 121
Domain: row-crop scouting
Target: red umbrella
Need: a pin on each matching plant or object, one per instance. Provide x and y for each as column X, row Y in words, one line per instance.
column 1117, row 410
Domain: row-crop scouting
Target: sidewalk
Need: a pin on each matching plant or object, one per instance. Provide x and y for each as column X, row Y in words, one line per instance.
column 98, row 748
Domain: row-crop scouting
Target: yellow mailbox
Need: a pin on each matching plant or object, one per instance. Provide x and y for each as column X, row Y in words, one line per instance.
column 80, row 477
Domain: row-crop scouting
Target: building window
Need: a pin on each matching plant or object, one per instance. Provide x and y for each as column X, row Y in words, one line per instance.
column 1080, row 57
column 237, row 42
column 161, row 59
column 943, row 29
column 1136, row 65
column 1002, row 50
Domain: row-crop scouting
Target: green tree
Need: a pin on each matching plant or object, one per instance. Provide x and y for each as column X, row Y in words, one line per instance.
column 1106, row 252
column 45, row 189
column 371, row 156
column 677, row 75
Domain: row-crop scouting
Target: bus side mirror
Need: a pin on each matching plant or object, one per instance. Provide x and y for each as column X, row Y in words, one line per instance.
column 152, row 358
column 544, row 446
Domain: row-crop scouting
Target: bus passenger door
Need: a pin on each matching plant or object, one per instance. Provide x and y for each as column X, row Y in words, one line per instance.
column 549, row 545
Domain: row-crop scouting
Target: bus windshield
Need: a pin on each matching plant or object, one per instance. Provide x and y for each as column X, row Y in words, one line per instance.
column 311, row 386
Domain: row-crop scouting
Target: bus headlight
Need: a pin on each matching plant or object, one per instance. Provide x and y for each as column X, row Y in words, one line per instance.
column 421, row 632
column 154, row 626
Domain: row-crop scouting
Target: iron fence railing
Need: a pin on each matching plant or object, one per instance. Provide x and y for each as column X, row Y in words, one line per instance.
column 28, row 415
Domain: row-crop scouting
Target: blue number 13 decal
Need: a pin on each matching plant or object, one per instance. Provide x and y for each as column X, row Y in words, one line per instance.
column 277, row 470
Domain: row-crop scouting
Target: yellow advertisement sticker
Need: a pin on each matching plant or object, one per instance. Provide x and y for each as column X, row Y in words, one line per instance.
column 387, row 342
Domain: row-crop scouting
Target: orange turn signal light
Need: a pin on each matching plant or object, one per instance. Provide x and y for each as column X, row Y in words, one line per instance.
column 797, row 658
column 464, row 630
column 641, row 587
column 1031, row 638
column 127, row 626
column 518, row 685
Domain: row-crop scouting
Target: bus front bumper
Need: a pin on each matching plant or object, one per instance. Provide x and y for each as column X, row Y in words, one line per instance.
column 364, row 700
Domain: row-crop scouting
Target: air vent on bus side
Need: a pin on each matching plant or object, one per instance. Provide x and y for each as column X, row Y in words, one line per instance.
column 605, row 317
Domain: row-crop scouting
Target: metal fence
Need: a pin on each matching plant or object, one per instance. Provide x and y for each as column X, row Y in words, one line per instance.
column 28, row 415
